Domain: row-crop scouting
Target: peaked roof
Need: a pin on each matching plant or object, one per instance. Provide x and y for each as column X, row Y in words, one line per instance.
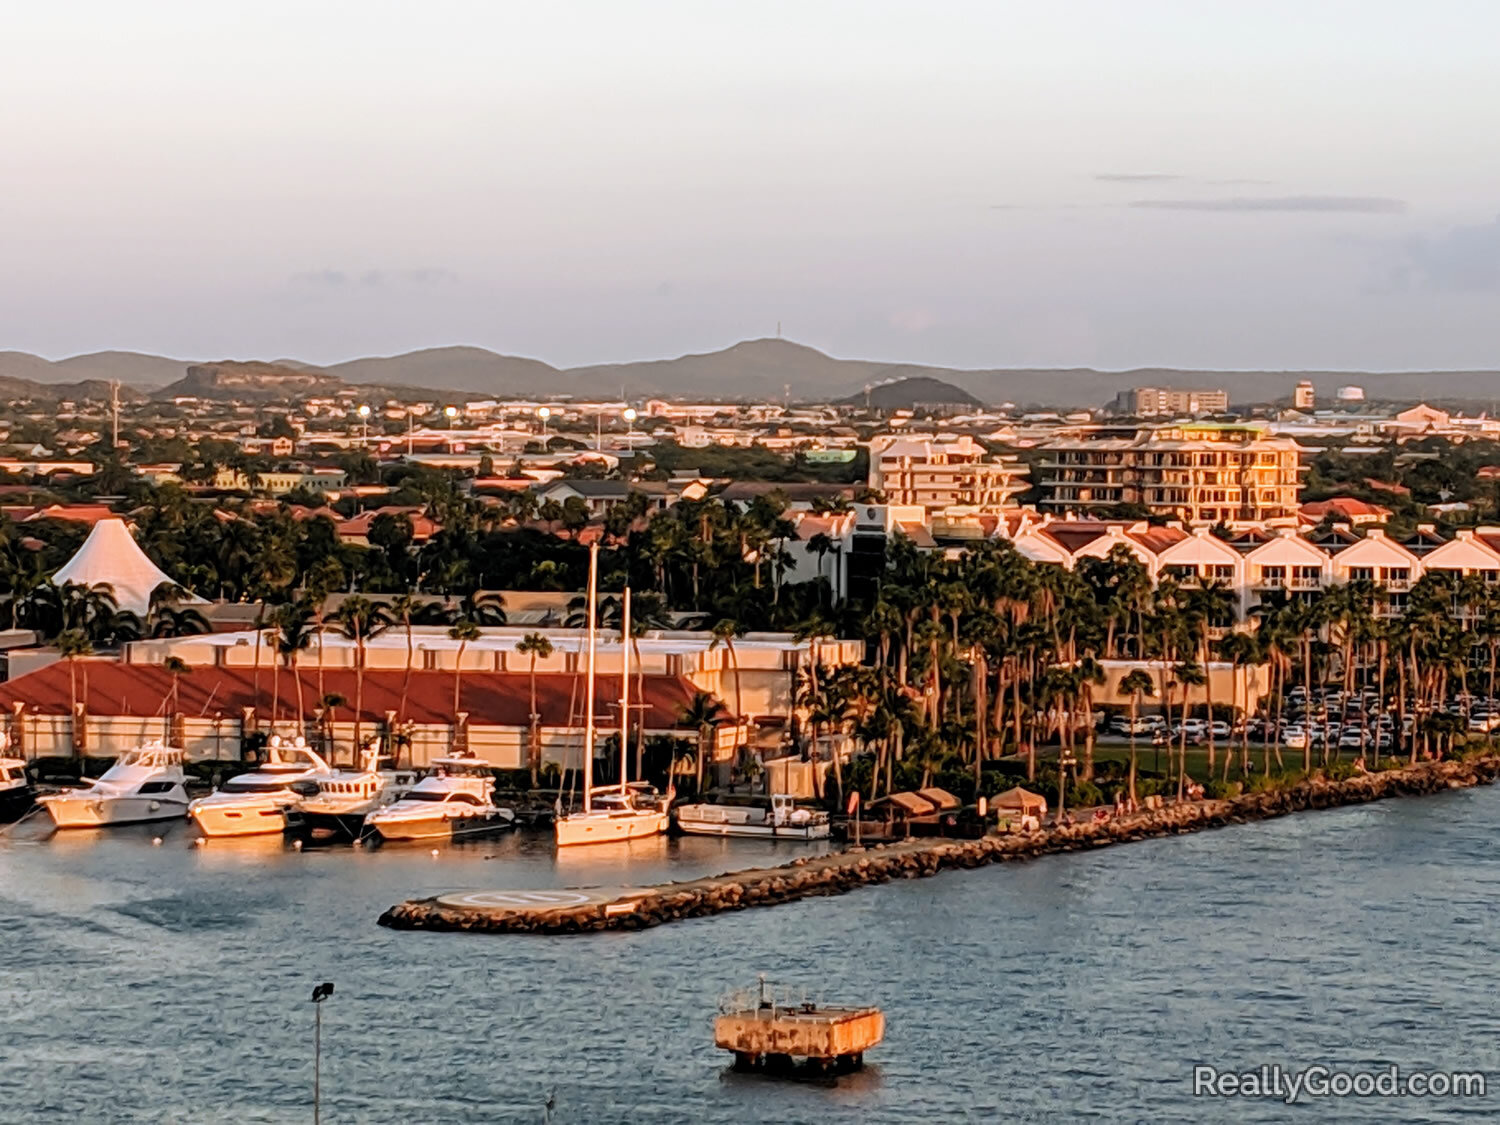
column 110, row 556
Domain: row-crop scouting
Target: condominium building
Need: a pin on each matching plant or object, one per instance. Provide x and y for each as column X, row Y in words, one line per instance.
column 1199, row 472
column 1154, row 402
column 943, row 473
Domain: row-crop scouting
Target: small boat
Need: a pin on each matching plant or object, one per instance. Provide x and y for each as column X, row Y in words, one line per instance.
column 337, row 811
column 454, row 801
column 778, row 819
column 256, row 803
column 17, row 795
column 145, row 784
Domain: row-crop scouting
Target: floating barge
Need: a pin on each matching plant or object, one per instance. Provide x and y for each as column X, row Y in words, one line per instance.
column 779, row 1036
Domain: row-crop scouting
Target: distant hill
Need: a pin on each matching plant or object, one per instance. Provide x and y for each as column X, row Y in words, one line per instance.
column 246, row 381
column 751, row 370
column 910, row 394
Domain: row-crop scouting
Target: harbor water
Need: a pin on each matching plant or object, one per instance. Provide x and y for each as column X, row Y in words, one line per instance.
column 170, row 982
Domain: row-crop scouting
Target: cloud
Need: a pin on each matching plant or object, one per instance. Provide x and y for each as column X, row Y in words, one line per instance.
column 1460, row 260
column 1137, row 177
column 321, row 277
column 1327, row 204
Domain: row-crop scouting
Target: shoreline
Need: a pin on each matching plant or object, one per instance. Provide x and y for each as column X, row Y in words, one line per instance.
column 844, row 871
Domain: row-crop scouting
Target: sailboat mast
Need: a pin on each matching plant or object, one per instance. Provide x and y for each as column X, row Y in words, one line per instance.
column 624, row 685
column 588, row 692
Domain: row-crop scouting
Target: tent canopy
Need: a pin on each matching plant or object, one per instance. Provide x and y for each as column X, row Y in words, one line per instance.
column 1021, row 801
column 110, row 556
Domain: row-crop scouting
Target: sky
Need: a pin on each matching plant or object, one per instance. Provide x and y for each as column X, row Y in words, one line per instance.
column 1283, row 184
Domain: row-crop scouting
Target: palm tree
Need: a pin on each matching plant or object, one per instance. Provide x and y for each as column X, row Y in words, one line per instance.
column 176, row 667
column 1136, row 684
column 534, row 645
column 403, row 608
column 291, row 637
column 463, row 632
column 704, row 712
column 360, row 620
column 72, row 644
column 725, row 630
column 1239, row 649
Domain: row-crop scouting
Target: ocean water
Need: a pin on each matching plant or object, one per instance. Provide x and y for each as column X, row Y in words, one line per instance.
column 170, row 983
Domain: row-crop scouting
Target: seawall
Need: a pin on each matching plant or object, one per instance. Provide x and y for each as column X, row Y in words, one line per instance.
column 838, row 872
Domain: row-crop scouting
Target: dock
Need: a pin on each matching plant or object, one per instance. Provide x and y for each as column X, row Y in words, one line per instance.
column 577, row 910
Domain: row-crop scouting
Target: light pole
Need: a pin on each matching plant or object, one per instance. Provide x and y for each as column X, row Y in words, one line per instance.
column 364, row 425
column 543, row 413
column 450, row 413
column 1064, row 760
column 630, row 417
column 319, row 994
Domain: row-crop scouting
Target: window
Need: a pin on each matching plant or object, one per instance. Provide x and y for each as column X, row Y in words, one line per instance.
column 152, row 787
column 1361, row 574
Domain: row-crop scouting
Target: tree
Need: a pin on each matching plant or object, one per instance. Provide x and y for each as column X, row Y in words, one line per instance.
column 534, row 645
column 72, row 645
column 360, row 620
column 463, row 632
column 725, row 630
column 292, row 636
column 176, row 667
column 1136, row 684
column 703, row 711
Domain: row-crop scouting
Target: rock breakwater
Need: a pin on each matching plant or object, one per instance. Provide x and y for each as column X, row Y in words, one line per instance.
column 836, row 873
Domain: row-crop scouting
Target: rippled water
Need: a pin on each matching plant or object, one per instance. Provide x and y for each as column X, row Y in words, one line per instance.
column 170, row 983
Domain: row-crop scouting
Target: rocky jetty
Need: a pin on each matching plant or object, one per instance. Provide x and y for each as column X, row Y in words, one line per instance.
column 858, row 867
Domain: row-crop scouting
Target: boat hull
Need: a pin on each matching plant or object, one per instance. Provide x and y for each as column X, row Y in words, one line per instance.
column 410, row 829
column 326, row 826
column 241, row 820
column 606, row 828
column 756, row 831
column 82, row 811
column 16, row 803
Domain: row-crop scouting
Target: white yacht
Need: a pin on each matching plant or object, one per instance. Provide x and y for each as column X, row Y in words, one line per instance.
column 256, row 803
column 144, row 784
column 344, row 799
column 626, row 811
column 455, row 800
column 776, row 819
column 17, row 797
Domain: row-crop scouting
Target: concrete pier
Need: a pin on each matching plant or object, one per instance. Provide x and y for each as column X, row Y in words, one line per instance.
column 585, row 910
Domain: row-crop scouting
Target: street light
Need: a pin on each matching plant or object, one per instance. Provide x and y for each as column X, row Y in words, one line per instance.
column 544, row 412
column 364, row 425
column 450, row 412
column 1064, row 760
column 319, row 994
column 630, row 416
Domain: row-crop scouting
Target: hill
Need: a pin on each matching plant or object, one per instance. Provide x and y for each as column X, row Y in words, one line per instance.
column 436, row 369
column 921, row 391
column 248, row 381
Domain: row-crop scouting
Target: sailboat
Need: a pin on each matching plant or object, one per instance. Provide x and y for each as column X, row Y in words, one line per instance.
column 628, row 811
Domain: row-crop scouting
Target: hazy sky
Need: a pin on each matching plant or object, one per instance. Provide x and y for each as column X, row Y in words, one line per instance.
column 1283, row 183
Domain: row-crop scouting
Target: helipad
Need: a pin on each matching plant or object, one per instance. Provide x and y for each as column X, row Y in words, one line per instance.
column 539, row 901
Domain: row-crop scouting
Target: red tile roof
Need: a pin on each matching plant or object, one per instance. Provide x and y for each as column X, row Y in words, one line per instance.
column 108, row 687
column 1346, row 506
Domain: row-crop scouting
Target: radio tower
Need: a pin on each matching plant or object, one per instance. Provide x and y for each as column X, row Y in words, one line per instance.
column 114, row 410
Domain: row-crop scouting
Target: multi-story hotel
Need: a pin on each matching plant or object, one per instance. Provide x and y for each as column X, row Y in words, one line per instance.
column 1198, row 472
column 940, row 474
column 1151, row 402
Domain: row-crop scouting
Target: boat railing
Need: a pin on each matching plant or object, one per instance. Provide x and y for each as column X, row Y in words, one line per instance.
column 768, row 996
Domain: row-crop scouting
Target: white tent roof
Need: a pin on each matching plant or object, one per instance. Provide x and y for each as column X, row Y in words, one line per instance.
column 111, row 556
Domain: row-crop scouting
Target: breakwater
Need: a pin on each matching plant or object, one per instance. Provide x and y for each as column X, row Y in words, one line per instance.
column 547, row 912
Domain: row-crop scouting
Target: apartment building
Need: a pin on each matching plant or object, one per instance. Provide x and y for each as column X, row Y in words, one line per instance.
column 1198, row 472
column 1156, row 402
column 943, row 473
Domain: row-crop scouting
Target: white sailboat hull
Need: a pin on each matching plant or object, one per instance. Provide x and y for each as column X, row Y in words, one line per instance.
column 608, row 827
column 695, row 827
column 439, row 826
column 240, row 819
column 84, row 810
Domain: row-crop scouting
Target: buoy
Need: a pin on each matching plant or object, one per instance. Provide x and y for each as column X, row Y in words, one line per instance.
column 200, row 841
column 296, row 845
column 434, row 853
column 156, row 841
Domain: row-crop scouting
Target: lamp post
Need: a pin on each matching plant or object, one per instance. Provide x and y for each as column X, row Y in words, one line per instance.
column 1064, row 760
column 630, row 416
column 319, row 994
column 543, row 413
column 450, row 413
column 364, row 425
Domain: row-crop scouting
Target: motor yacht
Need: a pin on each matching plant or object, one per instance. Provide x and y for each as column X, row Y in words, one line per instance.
column 454, row 801
column 144, row 784
column 17, row 796
column 338, row 809
column 256, row 803
column 776, row 819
